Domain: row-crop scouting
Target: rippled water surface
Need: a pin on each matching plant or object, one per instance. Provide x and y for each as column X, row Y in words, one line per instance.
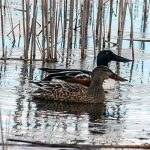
column 122, row 119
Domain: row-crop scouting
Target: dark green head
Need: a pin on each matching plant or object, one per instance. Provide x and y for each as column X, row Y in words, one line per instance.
column 104, row 57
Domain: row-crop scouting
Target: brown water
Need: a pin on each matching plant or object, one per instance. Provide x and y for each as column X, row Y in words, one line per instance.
column 122, row 119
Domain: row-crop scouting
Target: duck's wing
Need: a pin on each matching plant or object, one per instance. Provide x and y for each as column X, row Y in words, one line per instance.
column 83, row 79
column 64, row 70
column 69, row 75
column 66, row 92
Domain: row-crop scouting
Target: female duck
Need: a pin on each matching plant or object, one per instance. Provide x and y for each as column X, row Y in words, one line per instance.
column 77, row 93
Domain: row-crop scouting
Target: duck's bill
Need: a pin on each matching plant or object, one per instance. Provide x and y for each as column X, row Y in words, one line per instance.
column 117, row 77
column 120, row 58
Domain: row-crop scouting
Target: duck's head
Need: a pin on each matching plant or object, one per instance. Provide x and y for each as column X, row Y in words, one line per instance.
column 101, row 73
column 105, row 56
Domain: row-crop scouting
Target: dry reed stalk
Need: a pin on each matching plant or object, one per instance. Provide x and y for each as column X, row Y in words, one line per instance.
column 97, row 21
column 40, row 48
column 64, row 23
column 52, row 25
column 93, row 30
column 144, row 20
column 110, row 22
column 43, row 31
column 61, row 21
column 56, row 27
column 70, row 30
column 27, row 29
column 11, row 24
column 58, row 13
column 84, row 24
column 21, row 58
column 94, row 41
column 124, row 15
column 85, row 146
column 88, row 10
column 145, row 15
column 33, row 31
column 23, row 22
column 131, row 34
column 76, row 23
column 19, row 34
column 47, row 31
column 103, row 28
column 2, row 30
column 5, row 7
column 119, row 26
column 13, row 29
column 100, row 24
column 1, row 128
column 76, row 14
column 121, row 23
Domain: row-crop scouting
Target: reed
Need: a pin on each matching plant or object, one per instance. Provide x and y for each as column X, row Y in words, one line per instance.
column 54, row 26
column 33, row 31
column 13, row 29
column 47, row 31
column 64, row 23
column 121, row 23
column 27, row 34
column 145, row 16
column 110, row 22
column 58, row 17
column 97, row 21
column 1, row 128
column 100, row 24
column 68, row 22
column 19, row 34
column 11, row 24
column 131, row 33
column 76, row 26
column 93, row 31
column 70, row 30
column 23, row 22
column 2, row 30
column 43, row 29
column 84, row 26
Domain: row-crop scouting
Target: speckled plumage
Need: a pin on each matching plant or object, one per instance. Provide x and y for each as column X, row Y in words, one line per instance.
column 66, row 92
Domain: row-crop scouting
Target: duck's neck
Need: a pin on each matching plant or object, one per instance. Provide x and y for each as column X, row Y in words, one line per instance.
column 102, row 63
column 96, row 92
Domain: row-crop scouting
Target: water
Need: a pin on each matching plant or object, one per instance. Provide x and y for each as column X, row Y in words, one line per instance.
column 122, row 119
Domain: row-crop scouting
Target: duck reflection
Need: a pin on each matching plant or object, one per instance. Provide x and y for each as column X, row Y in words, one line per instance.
column 95, row 111
column 85, row 115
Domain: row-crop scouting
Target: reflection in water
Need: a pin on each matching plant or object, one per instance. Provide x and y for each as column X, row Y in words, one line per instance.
column 95, row 111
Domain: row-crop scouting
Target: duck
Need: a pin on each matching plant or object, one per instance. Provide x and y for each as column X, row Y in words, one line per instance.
column 82, row 76
column 51, row 91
